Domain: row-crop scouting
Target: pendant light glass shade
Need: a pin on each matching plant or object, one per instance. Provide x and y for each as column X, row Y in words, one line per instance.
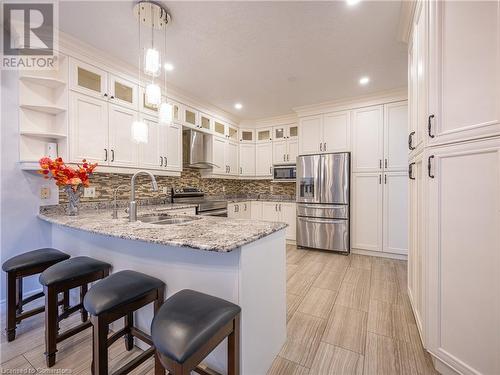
column 140, row 132
column 153, row 94
column 152, row 62
column 165, row 113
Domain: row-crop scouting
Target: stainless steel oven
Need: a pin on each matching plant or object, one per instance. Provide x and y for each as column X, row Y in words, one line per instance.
column 285, row 173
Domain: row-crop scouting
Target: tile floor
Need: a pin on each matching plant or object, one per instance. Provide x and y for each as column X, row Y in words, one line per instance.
column 346, row 315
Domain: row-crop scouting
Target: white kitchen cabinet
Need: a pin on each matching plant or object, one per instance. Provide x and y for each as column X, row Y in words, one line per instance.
column 218, row 156
column 88, row 79
column 123, row 92
column 336, row 132
column 284, row 212
column 174, row 147
column 177, row 112
column 123, row 150
column 368, row 139
column 247, row 136
column 191, row 117
column 285, row 144
column 231, row 155
column 395, row 136
column 264, row 159
column 88, row 129
column 324, row 133
column 367, row 211
column 256, row 210
column 395, row 213
column 270, row 211
column 310, row 134
column 145, row 106
column 247, row 159
column 464, row 74
column 206, row 122
column 239, row 210
column 463, row 263
column 416, row 238
column 152, row 155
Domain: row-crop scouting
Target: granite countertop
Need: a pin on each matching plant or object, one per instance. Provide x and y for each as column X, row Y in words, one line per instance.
column 205, row 233
column 270, row 199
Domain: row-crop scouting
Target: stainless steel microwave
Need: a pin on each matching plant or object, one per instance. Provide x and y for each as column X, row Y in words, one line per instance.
column 285, row 173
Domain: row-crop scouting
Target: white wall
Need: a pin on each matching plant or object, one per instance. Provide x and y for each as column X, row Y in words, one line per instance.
column 20, row 230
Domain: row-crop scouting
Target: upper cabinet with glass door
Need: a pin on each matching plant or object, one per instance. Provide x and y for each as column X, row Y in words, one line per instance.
column 264, row 135
column 247, row 135
column 232, row 133
column 191, row 116
column 123, row 92
column 206, row 122
column 285, row 132
column 144, row 106
column 88, row 79
column 219, row 128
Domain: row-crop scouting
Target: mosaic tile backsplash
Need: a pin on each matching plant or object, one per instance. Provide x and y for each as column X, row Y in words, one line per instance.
column 106, row 183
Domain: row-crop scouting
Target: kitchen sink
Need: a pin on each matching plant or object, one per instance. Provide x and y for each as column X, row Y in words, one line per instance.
column 165, row 219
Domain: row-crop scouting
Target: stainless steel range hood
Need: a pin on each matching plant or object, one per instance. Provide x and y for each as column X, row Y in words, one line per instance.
column 195, row 149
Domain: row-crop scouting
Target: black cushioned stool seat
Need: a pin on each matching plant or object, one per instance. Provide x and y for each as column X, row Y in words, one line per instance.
column 117, row 296
column 190, row 325
column 18, row 267
column 61, row 278
column 118, row 289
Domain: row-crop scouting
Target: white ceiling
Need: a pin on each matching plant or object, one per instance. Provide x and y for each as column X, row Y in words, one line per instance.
column 270, row 56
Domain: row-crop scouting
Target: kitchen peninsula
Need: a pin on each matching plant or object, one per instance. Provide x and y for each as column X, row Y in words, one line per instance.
column 242, row 261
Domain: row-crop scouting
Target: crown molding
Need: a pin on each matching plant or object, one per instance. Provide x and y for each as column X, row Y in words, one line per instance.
column 74, row 47
column 406, row 13
column 387, row 96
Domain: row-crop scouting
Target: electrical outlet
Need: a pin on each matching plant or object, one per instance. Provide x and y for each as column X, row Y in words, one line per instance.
column 164, row 190
column 44, row 192
column 223, row 189
column 89, row 192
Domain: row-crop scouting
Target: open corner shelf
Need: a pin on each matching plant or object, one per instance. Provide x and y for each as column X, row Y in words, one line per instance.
column 52, row 110
column 43, row 135
column 43, row 81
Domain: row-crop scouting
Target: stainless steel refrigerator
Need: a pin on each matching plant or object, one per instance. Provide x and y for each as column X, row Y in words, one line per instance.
column 323, row 193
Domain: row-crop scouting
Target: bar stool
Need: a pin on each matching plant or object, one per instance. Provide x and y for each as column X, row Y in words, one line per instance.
column 18, row 267
column 189, row 326
column 115, row 297
column 61, row 278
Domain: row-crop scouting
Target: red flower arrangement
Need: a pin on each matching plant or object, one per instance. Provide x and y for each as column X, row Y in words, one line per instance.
column 65, row 175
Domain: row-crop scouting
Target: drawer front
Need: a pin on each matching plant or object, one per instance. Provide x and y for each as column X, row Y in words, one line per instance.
column 326, row 234
column 323, row 211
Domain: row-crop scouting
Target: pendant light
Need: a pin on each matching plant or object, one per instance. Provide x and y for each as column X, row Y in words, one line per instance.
column 165, row 112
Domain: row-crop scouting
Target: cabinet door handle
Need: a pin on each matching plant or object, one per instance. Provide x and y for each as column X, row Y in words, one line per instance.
column 385, row 163
column 429, row 166
column 324, row 146
column 112, row 97
column 166, row 162
column 321, row 146
column 284, row 157
column 410, row 141
column 380, row 163
column 112, row 155
column 429, row 126
column 161, row 161
column 379, row 179
column 105, row 95
column 385, row 179
column 410, row 171
column 105, row 154
column 245, row 206
column 241, row 170
column 280, row 207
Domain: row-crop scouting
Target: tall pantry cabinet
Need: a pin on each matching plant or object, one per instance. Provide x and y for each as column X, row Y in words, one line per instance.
column 454, row 156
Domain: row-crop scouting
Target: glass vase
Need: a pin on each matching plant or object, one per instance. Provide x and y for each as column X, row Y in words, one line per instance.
column 73, row 199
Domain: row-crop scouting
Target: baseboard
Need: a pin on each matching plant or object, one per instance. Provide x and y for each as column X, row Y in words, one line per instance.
column 442, row 367
column 379, row 254
column 25, row 295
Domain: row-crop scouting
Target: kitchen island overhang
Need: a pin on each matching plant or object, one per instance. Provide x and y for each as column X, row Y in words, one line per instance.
column 251, row 274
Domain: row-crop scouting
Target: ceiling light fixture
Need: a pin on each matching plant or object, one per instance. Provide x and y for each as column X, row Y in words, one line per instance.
column 154, row 17
column 363, row 81
column 352, row 2
column 238, row 106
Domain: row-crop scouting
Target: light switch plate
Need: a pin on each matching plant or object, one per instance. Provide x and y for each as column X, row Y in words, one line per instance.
column 89, row 192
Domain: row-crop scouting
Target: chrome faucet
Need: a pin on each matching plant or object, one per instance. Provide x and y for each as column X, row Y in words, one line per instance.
column 115, row 203
column 132, row 207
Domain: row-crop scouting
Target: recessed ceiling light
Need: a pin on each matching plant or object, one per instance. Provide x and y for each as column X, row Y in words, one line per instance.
column 168, row 67
column 352, row 2
column 364, row 81
column 238, row 106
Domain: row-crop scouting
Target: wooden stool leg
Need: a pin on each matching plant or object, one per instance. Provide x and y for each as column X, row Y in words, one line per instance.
column 51, row 325
column 99, row 345
column 159, row 369
column 19, row 302
column 84, row 314
column 129, row 338
column 233, row 348
column 65, row 300
column 11, row 306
